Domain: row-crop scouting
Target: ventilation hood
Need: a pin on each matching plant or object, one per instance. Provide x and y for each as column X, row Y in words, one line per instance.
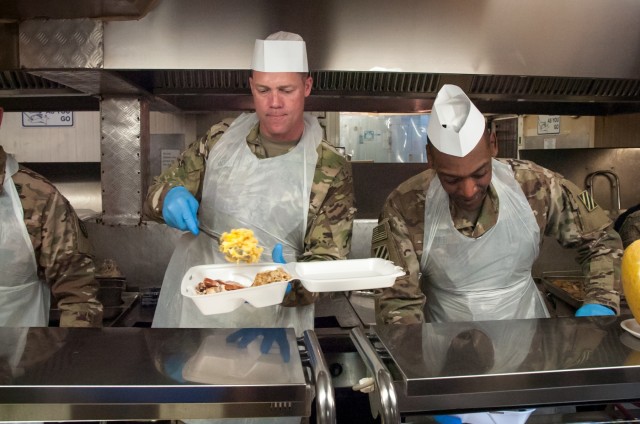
column 572, row 57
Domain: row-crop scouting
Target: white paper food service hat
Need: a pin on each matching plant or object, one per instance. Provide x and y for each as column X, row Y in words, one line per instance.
column 280, row 52
column 456, row 125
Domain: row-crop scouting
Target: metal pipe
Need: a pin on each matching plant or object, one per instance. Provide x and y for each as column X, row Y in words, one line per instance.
column 614, row 182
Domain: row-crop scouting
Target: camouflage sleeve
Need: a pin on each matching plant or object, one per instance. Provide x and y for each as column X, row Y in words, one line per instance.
column 61, row 249
column 630, row 229
column 399, row 238
column 187, row 171
column 577, row 222
column 330, row 219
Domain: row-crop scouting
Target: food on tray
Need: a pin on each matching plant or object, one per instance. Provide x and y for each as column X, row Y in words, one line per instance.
column 209, row 285
column 573, row 288
column 240, row 245
column 266, row 277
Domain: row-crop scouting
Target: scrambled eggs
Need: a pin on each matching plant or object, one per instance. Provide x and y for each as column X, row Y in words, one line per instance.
column 240, row 245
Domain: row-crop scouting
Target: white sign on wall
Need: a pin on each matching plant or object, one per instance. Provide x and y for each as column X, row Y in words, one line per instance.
column 47, row 119
column 167, row 156
column 548, row 124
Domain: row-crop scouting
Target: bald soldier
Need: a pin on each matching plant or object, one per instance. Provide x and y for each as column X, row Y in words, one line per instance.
column 270, row 171
column 468, row 230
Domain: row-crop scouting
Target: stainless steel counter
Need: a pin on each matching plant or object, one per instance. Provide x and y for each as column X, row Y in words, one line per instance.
column 56, row 374
column 506, row 364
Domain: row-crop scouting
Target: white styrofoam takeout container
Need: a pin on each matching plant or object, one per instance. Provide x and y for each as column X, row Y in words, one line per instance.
column 243, row 274
column 345, row 275
column 321, row 276
column 220, row 362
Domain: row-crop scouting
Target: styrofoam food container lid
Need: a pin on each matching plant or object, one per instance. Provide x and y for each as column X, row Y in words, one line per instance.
column 345, row 275
column 243, row 274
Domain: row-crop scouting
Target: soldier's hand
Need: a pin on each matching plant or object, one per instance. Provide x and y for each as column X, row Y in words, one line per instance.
column 278, row 257
column 180, row 210
column 593, row 310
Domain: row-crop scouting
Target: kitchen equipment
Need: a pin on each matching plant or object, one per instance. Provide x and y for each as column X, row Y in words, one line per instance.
column 110, row 291
column 565, row 285
column 614, row 182
column 211, row 234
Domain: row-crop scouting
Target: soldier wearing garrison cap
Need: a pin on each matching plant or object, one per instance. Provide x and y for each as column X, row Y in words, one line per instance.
column 269, row 171
column 44, row 253
column 468, row 230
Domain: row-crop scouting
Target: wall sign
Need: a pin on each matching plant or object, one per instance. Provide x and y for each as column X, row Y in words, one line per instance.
column 167, row 156
column 47, row 119
column 548, row 124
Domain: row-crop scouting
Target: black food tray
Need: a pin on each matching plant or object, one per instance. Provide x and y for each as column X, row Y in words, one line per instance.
column 557, row 291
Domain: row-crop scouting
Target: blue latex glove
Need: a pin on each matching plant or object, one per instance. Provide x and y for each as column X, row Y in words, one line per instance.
column 180, row 209
column 173, row 366
column 447, row 419
column 276, row 255
column 270, row 336
column 593, row 310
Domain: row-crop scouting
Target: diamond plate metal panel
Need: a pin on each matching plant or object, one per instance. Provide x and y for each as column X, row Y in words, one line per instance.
column 61, row 43
column 124, row 148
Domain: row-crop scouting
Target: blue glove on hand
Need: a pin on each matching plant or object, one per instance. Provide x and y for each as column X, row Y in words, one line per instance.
column 180, row 209
column 173, row 366
column 269, row 336
column 447, row 419
column 593, row 310
column 276, row 255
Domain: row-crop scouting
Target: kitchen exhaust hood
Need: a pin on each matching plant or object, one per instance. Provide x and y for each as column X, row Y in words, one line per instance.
column 572, row 57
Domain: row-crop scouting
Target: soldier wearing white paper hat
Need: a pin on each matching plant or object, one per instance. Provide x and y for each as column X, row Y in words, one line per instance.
column 468, row 230
column 269, row 171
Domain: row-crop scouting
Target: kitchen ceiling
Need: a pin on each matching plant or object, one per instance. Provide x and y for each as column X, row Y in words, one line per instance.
column 371, row 56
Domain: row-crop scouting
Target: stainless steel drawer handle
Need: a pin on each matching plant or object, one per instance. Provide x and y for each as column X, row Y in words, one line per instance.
column 325, row 396
column 384, row 389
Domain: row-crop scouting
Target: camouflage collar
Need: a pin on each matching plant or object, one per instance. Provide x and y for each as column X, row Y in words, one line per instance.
column 253, row 136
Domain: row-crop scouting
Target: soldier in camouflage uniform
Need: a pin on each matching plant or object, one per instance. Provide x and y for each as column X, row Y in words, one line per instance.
column 471, row 204
column 309, row 208
column 55, row 259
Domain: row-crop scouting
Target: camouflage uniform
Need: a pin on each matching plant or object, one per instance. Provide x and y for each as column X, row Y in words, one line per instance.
column 61, row 248
column 561, row 210
column 331, row 206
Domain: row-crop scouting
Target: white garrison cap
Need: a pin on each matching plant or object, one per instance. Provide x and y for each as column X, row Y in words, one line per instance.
column 280, row 52
column 456, row 125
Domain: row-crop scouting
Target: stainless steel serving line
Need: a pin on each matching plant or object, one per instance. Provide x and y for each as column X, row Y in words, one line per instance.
column 58, row 374
column 474, row 366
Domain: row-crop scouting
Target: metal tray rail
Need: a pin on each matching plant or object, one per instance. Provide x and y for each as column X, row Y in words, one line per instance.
column 325, row 395
column 386, row 403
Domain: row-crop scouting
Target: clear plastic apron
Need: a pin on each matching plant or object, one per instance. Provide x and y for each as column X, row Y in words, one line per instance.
column 269, row 196
column 487, row 278
column 24, row 299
